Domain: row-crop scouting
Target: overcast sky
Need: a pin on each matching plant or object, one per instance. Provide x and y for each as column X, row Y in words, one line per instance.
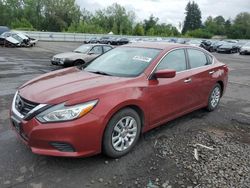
column 172, row 11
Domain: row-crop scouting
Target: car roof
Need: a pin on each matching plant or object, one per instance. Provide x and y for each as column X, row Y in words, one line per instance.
column 157, row 45
column 4, row 29
column 97, row 44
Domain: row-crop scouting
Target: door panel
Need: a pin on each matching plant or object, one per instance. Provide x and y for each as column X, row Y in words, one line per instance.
column 170, row 96
column 202, row 71
column 204, row 82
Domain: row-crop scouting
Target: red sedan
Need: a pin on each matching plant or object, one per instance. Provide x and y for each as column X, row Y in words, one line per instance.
column 107, row 105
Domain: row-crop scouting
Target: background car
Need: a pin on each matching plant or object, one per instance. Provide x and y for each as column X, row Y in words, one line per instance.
column 207, row 45
column 122, row 41
column 17, row 39
column 93, row 40
column 196, row 43
column 245, row 49
column 80, row 56
column 215, row 45
column 119, row 41
column 4, row 29
column 227, row 48
column 11, row 39
column 105, row 40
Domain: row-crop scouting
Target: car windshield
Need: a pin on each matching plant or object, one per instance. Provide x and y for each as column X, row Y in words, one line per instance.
column 123, row 61
column 83, row 49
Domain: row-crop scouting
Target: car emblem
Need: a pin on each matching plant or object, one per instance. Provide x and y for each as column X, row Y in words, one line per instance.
column 19, row 103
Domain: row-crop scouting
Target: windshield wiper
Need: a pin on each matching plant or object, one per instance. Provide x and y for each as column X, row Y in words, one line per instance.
column 101, row 73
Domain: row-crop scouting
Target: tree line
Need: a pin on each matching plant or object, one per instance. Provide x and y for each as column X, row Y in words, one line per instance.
column 66, row 15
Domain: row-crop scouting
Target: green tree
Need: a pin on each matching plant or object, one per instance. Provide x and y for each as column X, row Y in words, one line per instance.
column 241, row 26
column 228, row 25
column 21, row 24
column 193, row 17
column 115, row 18
column 150, row 23
column 60, row 14
column 199, row 33
column 215, row 25
column 138, row 30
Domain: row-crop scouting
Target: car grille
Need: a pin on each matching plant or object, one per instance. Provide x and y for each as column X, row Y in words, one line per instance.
column 64, row 147
column 24, row 106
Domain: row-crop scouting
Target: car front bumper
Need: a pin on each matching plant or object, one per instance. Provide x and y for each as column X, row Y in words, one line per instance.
column 78, row 138
column 62, row 63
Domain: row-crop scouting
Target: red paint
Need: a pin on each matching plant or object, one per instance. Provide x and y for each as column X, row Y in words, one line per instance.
column 160, row 100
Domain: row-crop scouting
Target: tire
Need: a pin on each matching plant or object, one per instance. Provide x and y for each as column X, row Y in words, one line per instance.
column 78, row 63
column 214, row 97
column 122, row 132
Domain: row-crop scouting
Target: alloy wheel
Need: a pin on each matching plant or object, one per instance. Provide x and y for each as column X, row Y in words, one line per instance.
column 124, row 133
column 215, row 97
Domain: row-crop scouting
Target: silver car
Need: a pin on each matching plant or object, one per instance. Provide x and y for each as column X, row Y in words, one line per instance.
column 81, row 55
column 245, row 49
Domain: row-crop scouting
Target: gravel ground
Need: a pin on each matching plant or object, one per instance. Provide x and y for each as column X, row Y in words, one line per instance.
column 164, row 157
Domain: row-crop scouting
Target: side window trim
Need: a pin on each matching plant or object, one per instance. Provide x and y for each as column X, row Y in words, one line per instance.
column 187, row 60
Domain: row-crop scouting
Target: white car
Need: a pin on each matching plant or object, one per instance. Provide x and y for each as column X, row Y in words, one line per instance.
column 245, row 49
column 16, row 39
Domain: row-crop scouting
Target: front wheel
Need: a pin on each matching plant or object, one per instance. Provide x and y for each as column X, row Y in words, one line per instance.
column 78, row 63
column 214, row 98
column 122, row 133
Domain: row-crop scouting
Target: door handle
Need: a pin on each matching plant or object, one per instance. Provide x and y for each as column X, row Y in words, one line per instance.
column 188, row 80
column 211, row 72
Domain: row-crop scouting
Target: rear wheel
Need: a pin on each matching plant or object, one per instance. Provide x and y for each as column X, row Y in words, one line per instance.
column 214, row 98
column 122, row 133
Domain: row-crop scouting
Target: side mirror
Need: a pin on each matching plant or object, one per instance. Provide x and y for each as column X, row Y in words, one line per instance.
column 167, row 73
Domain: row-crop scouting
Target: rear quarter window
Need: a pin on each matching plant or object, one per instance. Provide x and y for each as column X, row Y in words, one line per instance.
column 197, row 58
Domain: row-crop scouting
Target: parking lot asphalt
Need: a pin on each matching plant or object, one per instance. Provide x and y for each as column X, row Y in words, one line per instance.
column 163, row 157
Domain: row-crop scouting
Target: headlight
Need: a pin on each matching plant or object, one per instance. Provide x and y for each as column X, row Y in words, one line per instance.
column 62, row 60
column 61, row 112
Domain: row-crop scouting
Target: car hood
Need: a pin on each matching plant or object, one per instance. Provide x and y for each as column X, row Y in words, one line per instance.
column 70, row 55
column 12, row 40
column 71, row 83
